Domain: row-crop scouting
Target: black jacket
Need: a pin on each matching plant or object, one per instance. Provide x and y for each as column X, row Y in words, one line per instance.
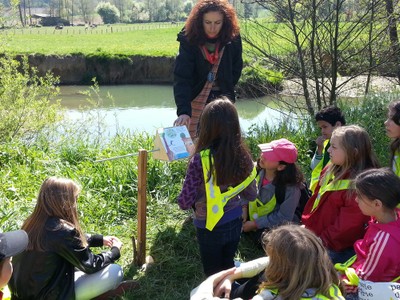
column 191, row 69
column 50, row 274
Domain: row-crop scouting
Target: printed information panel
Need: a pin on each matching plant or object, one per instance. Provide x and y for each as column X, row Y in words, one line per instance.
column 368, row 290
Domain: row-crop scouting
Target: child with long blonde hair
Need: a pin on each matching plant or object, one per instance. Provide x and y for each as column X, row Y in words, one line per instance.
column 332, row 212
column 297, row 266
column 58, row 263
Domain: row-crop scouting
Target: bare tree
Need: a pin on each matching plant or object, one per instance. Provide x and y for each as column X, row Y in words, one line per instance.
column 394, row 38
column 318, row 42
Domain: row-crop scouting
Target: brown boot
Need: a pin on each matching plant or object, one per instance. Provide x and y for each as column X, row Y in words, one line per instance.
column 120, row 290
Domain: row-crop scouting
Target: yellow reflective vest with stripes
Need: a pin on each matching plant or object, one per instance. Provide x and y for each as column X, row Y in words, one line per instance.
column 257, row 208
column 316, row 172
column 216, row 200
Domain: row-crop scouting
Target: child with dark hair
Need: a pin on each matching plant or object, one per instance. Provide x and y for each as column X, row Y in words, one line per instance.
column 278, row 172
column 392, row 125
column 219, row 181
column 377, row 258
column 327, row 120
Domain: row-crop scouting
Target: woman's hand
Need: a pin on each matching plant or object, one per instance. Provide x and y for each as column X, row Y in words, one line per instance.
column 182, row 120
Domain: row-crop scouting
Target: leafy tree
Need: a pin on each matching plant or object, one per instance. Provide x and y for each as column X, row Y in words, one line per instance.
column 152, row 6
column 122, row 6
column 174, row 8
column 188, row 7
column 86, row 9
column 108, row 12
column 25, row 100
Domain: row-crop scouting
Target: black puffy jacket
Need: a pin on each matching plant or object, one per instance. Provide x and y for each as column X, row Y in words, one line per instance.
column 191, row 69
column 50, row 274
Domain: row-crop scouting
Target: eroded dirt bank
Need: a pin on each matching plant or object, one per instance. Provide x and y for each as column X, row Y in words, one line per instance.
column 78, row 69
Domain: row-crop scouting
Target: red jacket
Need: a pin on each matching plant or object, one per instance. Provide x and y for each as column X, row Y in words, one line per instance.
column 378, row 256
column 337, row 220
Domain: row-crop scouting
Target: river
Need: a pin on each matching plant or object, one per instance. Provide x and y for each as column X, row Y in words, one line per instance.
column 148, row 107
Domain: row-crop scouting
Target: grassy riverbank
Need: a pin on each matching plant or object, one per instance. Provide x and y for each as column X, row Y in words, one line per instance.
column 108, row 202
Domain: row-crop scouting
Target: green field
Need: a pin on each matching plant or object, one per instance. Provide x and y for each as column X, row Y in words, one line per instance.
column 151, row 39
column 138, row 39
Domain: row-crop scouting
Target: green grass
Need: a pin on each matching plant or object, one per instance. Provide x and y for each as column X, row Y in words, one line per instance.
column 146, row 39
column 151, row 39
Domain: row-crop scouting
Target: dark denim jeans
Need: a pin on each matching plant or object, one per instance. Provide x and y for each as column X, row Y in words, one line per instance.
column 218, row 247
column 342, row 256
column 352, row 296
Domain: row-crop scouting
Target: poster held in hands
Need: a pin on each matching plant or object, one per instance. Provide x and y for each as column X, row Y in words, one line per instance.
column 173, row 143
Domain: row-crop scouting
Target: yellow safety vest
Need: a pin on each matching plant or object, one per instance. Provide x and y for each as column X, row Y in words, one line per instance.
column 396, row 166
column 396, row 163
column 6, row 293
column 318, row 168
column 351, row 274
column 328, row 186
column 257, row 208
column 216, row 200
column 334, row 294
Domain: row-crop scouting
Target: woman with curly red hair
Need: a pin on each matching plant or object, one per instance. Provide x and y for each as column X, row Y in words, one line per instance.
column 209, row 62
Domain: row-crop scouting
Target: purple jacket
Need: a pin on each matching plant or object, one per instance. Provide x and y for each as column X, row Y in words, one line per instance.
column 193, row 195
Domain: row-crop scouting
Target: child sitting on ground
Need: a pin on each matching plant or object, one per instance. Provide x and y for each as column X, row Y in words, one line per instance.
column 392, row 125
column 327, row 120
column 332, row 213
column 297, row 267
column 11, row 243
column 377, row 254
column 279, row 182
column 58, row 262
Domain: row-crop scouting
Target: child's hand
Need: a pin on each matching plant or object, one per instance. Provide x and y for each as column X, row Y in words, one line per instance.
column 223, row 289
column 320, row 144
column 112, row 241
column 116, row 242
column 249, row 226
column 245, row 213
column 350, row 289
column 107, row 241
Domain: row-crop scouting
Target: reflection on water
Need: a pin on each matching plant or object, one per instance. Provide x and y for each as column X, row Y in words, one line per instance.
column 148, row 107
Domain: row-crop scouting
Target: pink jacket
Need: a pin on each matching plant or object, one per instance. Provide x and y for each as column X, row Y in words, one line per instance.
column 378, row 257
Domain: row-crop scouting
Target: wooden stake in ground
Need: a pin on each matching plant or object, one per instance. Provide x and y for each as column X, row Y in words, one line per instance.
column 142, row 203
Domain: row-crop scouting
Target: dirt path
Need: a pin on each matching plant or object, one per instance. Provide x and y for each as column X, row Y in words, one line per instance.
column 353, row 88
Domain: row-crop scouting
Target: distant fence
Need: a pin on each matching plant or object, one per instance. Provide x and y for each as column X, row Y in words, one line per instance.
column 100, row 29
